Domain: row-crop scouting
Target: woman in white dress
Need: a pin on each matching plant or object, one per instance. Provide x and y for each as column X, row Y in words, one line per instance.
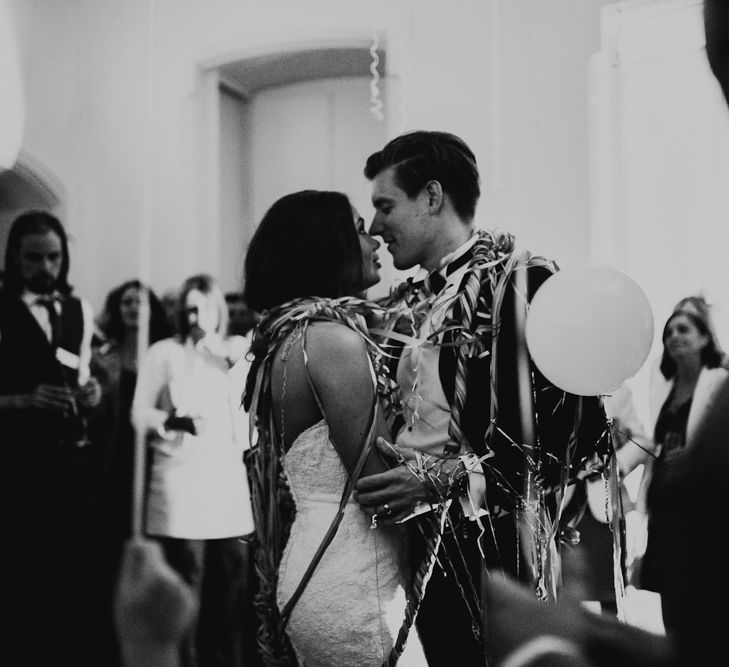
column 187, row 400
column 330, row 585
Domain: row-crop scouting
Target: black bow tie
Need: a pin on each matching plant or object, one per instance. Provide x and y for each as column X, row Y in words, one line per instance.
column 435, row 282
column 48, row 301
column 432, row 284
column 45, row 299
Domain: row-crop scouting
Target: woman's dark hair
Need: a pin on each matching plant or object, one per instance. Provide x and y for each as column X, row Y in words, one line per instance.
column 422, row 156
column 110, row 321
column 34, row 222
column 699, row 306
column 711, row 355
column 306, row 245
column 205, row 284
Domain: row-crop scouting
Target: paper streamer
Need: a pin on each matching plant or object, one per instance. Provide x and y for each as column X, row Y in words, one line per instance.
column 376, row 104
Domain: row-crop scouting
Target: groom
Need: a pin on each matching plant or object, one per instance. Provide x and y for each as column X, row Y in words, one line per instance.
column 469, row 406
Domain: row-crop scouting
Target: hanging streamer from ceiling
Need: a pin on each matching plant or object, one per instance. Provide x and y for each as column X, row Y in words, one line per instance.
column 376, row 104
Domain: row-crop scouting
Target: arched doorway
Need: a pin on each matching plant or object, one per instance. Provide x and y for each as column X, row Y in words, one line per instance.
column 289, row 120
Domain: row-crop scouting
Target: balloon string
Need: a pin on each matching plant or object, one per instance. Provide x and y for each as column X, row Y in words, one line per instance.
column 534, row 519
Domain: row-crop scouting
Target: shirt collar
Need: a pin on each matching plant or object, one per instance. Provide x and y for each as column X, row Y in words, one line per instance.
column 31, row 298
column 452, row 257
column 449, row 264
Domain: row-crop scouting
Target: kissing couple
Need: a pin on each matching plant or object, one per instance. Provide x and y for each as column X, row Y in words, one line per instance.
column 392, row 459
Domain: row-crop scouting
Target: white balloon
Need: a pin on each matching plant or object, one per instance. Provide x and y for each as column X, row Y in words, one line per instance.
column 589, row 329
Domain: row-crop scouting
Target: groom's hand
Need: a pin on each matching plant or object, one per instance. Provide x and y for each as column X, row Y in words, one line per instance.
column 392, row 494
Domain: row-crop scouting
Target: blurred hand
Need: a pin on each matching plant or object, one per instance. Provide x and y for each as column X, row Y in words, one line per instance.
column 517, row 620
column 89, row 396
column 185, row 423
column 60, row 400
column 153, row 608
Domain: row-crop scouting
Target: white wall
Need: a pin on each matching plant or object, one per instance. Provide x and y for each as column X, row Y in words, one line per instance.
column 236, row 205
column 315, row 134
column 661, row 195
column 116, row 110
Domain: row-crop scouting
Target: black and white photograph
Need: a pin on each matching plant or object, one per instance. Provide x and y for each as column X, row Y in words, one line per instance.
column 364, row 332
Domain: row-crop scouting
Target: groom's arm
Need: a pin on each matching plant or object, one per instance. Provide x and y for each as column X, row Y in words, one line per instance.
column 413, row 484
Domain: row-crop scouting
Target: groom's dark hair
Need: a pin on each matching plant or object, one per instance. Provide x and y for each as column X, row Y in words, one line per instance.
column 306, row 245
column 422, row 156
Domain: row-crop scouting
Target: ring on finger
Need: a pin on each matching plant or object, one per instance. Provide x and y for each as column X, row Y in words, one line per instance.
column 373, row 521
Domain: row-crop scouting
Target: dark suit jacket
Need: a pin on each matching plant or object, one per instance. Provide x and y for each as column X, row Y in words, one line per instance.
column 569, row 429
column 27, row 359
column 45, row 478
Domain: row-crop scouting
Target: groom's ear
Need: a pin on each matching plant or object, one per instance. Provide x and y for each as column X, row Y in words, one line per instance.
column 434, row 191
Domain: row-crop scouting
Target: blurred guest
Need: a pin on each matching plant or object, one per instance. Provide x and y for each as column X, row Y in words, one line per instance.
column 697, row 305
column 198, row 506
column 114, row 362
column 241, row 319
column 49, row 509
column 170, row 302
column 680, row 393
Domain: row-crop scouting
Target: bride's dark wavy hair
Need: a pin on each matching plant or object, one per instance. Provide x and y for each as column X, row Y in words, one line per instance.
column 306, row 245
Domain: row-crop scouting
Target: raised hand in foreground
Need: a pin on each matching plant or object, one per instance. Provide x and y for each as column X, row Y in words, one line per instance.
column 153, row 609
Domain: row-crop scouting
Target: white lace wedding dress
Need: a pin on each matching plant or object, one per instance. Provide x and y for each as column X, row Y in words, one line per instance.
column 353, row 606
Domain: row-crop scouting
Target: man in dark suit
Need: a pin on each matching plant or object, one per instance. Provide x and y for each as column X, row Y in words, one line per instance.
column 480, row 426
column 48, row 507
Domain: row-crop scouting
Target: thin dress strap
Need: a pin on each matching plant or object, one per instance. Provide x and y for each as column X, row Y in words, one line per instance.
column 365, row 449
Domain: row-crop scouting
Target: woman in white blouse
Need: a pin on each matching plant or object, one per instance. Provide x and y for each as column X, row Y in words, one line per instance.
column 187, row 400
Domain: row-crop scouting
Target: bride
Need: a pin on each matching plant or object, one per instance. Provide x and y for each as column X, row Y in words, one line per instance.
column 332, row 582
